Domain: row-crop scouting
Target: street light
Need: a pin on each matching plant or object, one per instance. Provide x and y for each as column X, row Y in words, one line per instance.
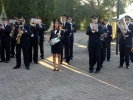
column 118, row 13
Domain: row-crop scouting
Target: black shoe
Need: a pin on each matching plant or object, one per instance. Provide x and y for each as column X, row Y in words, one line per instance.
column 27, row 68
column 68, row 62
column 90, row 71
column 120, row 66
column 42, row 57
column 36, row 62
column 127, row 67
column 2, row 61
column 71, row 58
column 7, row 61
column 16, row 67
column 12, row 56
column 108, row 59
column 97, row 71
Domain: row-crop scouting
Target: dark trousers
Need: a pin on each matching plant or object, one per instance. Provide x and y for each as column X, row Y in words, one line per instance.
column 5, row 50
column 95, row 57
column 124, row 54
column 67, row 51
column 71, row 48
column 25, row 50
column 103, row 50
column 41, row 49
column 13, row 44
column 131, row 56
column 108, row 50
column 34, row 45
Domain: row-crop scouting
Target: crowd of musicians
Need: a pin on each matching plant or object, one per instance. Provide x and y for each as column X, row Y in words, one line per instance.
column 99, row 44
column 29, row 37
column 16, row 35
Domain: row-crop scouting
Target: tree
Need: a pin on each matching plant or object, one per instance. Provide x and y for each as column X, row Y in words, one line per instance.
column 80, row 10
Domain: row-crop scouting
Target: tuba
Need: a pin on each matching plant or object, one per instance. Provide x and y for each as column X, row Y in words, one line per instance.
column 123, row 26
column 19, row 35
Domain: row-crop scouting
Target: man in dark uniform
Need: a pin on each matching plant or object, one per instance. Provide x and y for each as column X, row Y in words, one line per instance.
column 94, row 31
column 131, row 53
column 66, row 41
column 108, row 39
column 73, row 30
column 34, row 40
column 5, row 31
column 125, row 42
column 41, row 29
column 24, row 32
column 103, row 42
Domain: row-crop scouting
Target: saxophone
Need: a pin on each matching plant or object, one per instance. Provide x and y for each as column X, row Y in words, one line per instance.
column 19, row 35
column 12, row 32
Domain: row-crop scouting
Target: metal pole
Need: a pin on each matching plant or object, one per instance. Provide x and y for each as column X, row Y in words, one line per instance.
column 118, row 13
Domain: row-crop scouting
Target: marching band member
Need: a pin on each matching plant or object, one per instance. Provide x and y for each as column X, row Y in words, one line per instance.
column 34, row 41
column 108, row 39
column 57, row 48
column 125, row 42
column 103, row 43
column 73, row 29
column 22, row 33
column 94, row 33
column 41, row 29
column 5, row 31
column 66, row 41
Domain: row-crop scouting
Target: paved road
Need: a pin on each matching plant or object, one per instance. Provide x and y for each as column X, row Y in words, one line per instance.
column 73, row 82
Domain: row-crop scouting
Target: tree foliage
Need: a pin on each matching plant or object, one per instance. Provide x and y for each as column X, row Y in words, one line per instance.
column 80, row 10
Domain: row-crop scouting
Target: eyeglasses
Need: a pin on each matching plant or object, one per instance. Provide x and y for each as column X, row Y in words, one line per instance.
column 69, row 19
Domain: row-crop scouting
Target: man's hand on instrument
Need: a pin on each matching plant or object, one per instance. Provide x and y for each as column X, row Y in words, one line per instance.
column 58, row 35
column 95, row 28
column 2, row 27
column 64, row 30
column 21, row 32
column 123, row 31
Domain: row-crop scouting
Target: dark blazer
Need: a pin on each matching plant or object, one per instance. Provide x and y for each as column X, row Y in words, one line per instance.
column 126, row 40
column 35, row 31
column 94, row 38
column 72, row 32
column 5, row 34
column 25, row 35
column 59, row 44
column 41, row 31
column 67, row 27
column 109, row 33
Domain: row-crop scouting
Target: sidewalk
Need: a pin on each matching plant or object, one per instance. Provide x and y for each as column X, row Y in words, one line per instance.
column 73, row 82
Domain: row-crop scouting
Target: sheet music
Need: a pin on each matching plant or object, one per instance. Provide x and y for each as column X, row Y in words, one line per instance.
column 12, row 21
column 93, row 24
column 33, row 20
